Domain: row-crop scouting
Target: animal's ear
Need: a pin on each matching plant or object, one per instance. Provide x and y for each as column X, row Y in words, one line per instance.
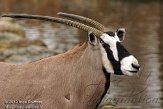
column 92, row 39
column 121, row 33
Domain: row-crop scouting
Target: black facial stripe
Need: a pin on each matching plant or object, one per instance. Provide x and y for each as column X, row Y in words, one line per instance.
column 122, row 52
column 116, row 64
column 110, row 33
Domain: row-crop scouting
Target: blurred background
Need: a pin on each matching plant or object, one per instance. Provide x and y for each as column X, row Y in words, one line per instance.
column 23, row 41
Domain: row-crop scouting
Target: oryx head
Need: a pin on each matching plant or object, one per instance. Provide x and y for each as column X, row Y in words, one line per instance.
column 116, row 59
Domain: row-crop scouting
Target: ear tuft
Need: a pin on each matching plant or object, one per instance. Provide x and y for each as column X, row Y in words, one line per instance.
column 92, row 39
column 121, row 33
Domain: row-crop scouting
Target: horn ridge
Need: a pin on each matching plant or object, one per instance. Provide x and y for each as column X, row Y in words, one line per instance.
column 89, row 21
column 57, row 20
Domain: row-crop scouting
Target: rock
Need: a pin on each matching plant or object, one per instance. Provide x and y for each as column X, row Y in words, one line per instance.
column 8, row 25
column 16, row 48
column 24, row 54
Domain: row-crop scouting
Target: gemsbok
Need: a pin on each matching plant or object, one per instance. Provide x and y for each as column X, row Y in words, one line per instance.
column 76, row 79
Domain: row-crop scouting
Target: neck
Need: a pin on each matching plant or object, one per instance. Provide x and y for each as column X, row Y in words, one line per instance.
column 107, row 85
column 91, row 56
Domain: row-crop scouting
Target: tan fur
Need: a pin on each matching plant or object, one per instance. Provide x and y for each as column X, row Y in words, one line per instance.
column 72, row 80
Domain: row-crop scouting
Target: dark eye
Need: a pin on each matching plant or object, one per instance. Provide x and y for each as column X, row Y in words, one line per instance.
column 101, row 41
column 104, row 44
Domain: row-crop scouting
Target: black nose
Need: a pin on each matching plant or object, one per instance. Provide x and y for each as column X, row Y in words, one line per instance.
column 137, row 67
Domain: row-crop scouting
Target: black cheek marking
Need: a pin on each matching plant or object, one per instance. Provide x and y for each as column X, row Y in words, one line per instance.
column 122, row 52
column 110, row 33
column 116, row 64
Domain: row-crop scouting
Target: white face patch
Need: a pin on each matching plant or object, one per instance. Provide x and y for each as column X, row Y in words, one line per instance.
column 112, row 42
column 126, row 65
column 106, row 63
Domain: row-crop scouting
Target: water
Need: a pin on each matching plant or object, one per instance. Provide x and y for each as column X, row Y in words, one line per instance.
column 144, row 38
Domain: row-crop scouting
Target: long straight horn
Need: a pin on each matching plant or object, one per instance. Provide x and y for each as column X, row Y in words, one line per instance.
column 57, row 20
column 86, row 20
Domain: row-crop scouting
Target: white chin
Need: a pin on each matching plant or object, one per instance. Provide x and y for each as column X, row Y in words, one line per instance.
column 127, row 73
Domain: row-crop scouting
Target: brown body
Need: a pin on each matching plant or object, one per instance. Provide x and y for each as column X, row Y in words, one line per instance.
column 73, row 80
column 77, row 79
